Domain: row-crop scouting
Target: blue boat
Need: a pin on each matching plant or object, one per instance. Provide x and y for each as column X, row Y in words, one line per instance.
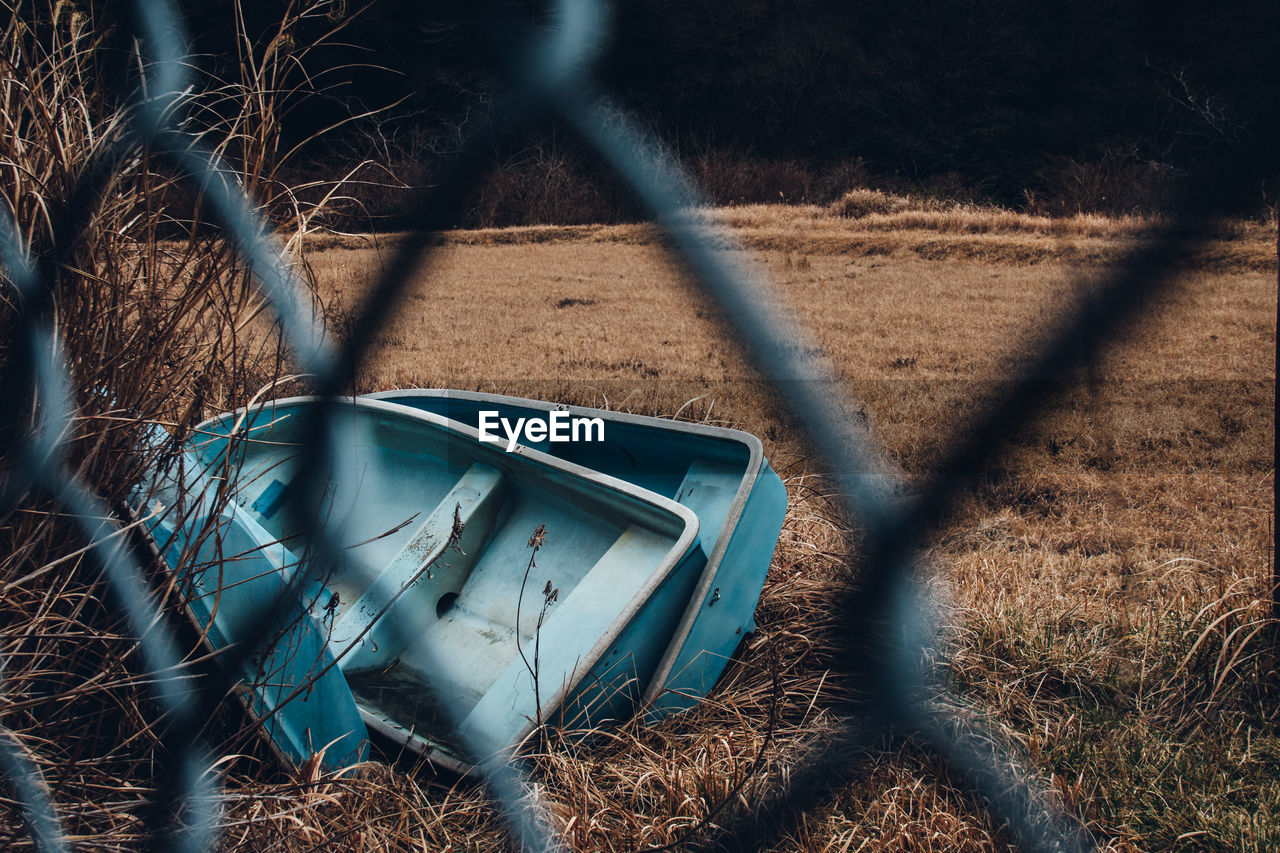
column 478, row 592
column 721, row 474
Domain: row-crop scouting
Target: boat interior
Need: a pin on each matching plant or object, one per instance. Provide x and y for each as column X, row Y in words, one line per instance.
column 438, row 590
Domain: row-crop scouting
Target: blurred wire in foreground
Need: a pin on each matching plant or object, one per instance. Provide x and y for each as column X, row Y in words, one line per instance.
column 889, row 627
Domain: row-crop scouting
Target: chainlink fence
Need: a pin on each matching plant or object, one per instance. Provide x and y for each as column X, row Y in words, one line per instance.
column 887, row 626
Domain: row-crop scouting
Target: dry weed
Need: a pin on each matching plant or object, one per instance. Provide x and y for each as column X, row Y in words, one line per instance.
column 858, row 203
column 158, row 322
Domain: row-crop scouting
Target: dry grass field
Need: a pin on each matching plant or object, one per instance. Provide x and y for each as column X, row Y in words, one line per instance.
column 1104, row 592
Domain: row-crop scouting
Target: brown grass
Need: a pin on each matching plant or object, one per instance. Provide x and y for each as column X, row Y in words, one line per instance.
column 1106, row 589
column 156, row 321
column 922, row 228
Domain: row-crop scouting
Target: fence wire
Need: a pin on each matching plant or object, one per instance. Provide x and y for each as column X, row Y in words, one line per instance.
column 550, row 72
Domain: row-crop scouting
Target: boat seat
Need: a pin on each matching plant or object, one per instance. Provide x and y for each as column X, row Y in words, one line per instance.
column 421, row 582
column 475, row 661
column 582, row 617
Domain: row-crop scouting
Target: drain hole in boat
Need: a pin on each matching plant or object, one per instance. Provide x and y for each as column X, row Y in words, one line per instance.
column 445, row 604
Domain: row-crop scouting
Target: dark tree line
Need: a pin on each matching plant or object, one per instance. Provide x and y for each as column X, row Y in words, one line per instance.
column 999, row 99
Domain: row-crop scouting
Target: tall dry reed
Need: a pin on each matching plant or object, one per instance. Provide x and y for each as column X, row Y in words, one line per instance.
column 158, row 321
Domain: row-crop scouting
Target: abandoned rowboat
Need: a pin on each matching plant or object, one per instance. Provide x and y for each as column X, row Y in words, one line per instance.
column 438, row 626
column 721, row 474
